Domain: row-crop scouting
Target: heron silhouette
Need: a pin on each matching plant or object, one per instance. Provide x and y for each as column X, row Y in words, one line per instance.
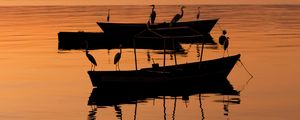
column 224, row 40
column 108, row 15
column 153, row 14
column 177, row 17
column 198, row 14
column 117, row 58
column 90, row 57
column 225, row 46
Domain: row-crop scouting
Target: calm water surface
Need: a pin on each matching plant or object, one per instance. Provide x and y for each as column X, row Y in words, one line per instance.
column 38, row 81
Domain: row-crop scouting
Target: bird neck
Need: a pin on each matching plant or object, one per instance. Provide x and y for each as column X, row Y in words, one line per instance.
column 181, row 12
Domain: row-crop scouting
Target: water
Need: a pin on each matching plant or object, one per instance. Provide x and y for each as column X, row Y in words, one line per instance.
column 38, row 81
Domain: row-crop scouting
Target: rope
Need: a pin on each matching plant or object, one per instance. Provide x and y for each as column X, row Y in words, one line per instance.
column 248, row 73
column 245, row 68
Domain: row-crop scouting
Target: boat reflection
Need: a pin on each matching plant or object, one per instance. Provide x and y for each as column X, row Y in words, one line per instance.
column 116, row 96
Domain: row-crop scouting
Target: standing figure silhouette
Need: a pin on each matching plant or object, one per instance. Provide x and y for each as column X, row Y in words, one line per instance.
column 177, row 17
column 198, row 14
column 117, row 58
column 153, row 14
column 108, row 15
column 91, row 58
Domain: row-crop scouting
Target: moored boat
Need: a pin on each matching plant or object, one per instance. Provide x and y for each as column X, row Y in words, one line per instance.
column 177, row 74
column 189, row 73
column 128, row 30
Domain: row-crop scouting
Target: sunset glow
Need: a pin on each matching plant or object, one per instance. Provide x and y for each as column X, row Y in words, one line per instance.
column 140, row 2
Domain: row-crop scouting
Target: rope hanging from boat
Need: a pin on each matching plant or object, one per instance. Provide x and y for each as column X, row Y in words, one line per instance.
column 245, row 68
column 248, row 73
column 225, row 47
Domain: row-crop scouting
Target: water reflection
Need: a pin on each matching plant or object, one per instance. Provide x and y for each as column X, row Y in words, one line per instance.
column 110, row 96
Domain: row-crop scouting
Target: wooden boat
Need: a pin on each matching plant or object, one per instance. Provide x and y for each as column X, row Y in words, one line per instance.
column 98, row 40
column 188, row 73
column 202, row 26
column 166, row 75
column 128, row 30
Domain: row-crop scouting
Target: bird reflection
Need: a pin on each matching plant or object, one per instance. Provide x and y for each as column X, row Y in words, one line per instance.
column 201, row 107
column 118, row 111
column 171, row 56
column 92, row 113
column 174, row 110
column 198, row 51
column 148, row 56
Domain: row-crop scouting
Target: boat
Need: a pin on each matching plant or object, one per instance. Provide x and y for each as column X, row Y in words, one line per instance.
column 188, row 73
column 157, row 76
column 98, row 40
column 119, row 96
column 128, row 30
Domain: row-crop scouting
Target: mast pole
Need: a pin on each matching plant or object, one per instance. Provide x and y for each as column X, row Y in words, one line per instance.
column 174, row 50
column 201, row 55
column 164, row 54
column 134, row 49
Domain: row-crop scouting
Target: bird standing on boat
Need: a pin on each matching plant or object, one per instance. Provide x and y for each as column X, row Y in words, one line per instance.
column 198, row 14
column 108, row 15
column 177, row 17
column 91, row 58
column 117, row 58
column 153, row 14
column 224, row 40
column 225, row 46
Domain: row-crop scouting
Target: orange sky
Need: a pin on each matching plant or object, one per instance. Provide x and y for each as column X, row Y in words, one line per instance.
column 132, row 2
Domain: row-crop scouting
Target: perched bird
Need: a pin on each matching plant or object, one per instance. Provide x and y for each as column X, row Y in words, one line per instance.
column 91, row 58
column 198, row 14
column 153, row 14
column 177, row 17
column 226, row 44
column 117, row 58
column 108, row 15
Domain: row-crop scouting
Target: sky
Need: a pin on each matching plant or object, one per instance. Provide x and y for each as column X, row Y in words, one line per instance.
column 141, row 2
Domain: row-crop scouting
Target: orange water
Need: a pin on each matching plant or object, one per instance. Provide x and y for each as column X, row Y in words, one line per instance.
column 38, row 81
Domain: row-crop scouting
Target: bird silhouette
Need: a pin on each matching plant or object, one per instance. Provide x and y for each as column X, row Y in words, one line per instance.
column 177, row 17
column 108, row 15
column 153, row 14
column 117, row 58
column 91, row 58
column 225, row 46
column 198, row 14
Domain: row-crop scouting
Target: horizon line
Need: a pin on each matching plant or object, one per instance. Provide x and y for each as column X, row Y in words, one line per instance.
column 279, row 4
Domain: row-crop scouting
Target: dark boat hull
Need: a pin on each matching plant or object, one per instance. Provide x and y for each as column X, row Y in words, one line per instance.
column 128, row 30
column 98, row 40
column 189, row 73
